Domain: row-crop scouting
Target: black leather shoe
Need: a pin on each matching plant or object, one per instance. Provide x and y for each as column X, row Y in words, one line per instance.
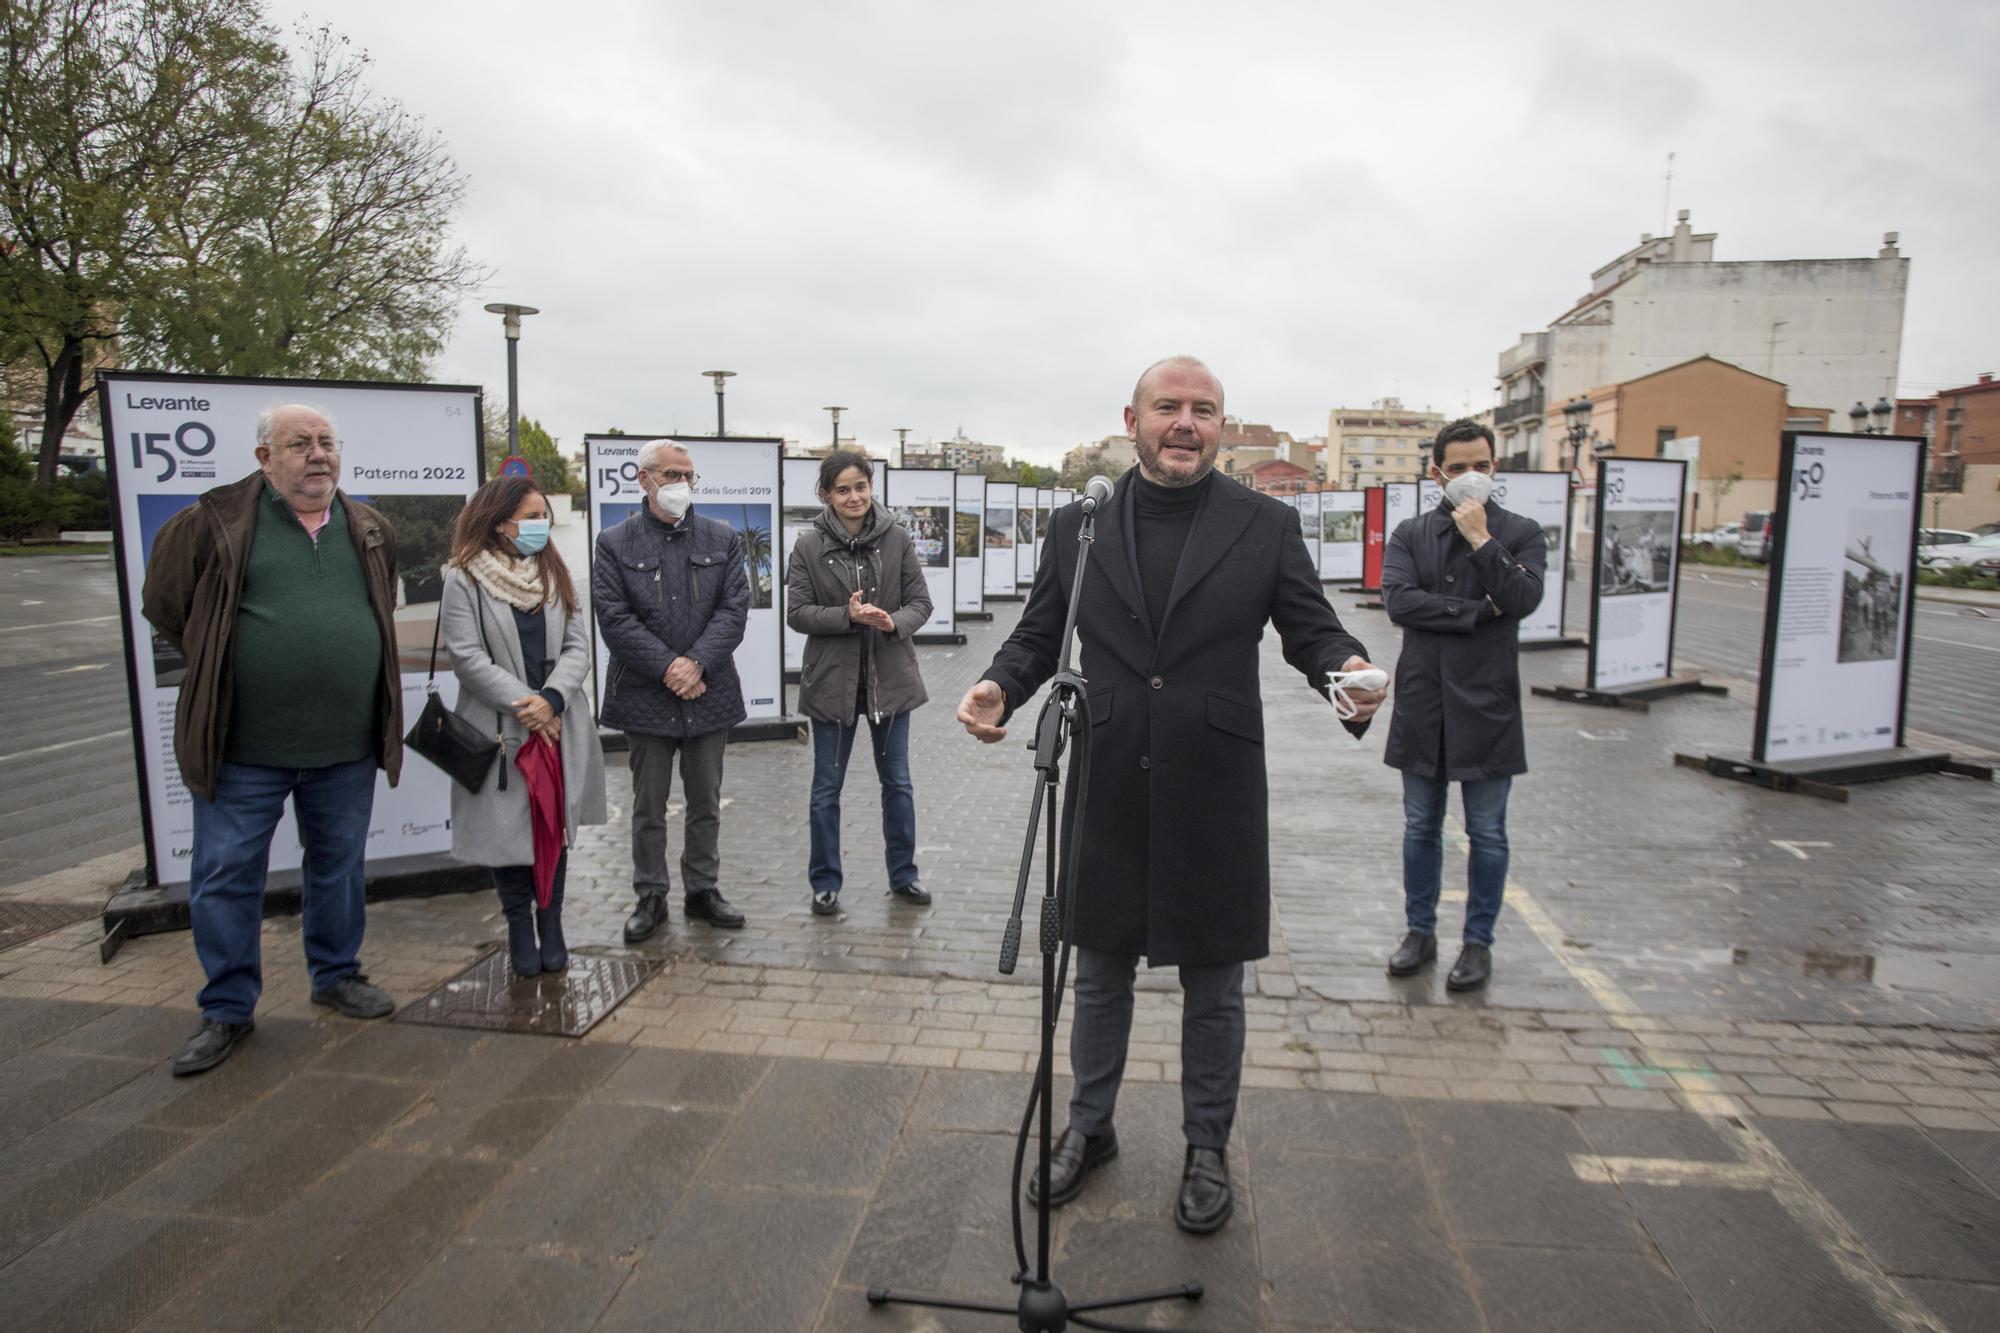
column 1071, row 1158
column 648, row 917
column 709, row 905
column 353, row 996
column 912, row 893
column 1205, row 1201
column 210, row 1046
column 1416, row 949
column 1474, row 965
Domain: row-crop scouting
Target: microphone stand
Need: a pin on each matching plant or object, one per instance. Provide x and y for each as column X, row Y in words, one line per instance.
column 1042, row 1306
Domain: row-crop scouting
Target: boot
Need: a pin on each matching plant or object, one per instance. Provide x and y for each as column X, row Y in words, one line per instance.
column 548, row 925
column 518, row 906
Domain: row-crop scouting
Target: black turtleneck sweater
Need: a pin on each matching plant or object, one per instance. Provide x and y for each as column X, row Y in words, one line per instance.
column 1162, row 518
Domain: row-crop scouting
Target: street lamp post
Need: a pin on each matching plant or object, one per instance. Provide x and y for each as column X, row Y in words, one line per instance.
column 902, row 438
column 510, row 320
column 1859, row 414
column 835, row 413
column 1576, row 415
column 719, row 376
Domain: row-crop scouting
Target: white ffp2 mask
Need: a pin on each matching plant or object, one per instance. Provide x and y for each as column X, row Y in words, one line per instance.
column 674, row 499
column 1473, row 486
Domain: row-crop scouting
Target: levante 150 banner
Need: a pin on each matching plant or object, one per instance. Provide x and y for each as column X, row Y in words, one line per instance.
column 925, row 501
column 736, row 482
column 969, row 548
column 1638, row 558
column 1843, row 575
column 410, row 451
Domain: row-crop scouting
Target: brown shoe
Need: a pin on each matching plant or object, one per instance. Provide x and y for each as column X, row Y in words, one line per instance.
column 1071, row 1158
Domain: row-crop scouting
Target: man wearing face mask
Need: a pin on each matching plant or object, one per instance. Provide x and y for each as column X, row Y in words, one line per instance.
column 1458, row 580
column 672, row 598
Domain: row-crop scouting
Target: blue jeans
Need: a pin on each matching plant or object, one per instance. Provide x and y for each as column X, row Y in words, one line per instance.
column 1423, row 852
column 832, row 744
column 232, row 851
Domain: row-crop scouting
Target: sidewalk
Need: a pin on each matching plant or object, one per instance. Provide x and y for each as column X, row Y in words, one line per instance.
column 1979, row 597
column 1737, row 1070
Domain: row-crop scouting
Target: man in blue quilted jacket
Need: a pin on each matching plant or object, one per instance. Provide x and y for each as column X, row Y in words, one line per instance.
column 672, row 596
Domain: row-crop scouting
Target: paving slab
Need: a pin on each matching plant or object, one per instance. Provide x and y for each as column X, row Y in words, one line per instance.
column 109, row 1269
column 739, row 1257
column 601, row 1184
column 1523, row 1289
column 67, row 1168
column 1919, row 1211
column 827, row 1126
column 39, row 1087
column 474, row 1286
column 1505, row 1175
column 1364, row 1242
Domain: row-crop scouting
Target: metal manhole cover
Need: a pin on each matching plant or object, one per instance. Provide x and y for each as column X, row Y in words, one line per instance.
column 563, row 1004
column 21, row 922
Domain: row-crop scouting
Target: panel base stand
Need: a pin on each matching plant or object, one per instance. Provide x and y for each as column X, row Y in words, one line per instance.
column 975, row 615
column 1566, row 641
column 952, row 638
column 140, row 908
column 1006, row 597
column 1823, row 777
column 1638, row 698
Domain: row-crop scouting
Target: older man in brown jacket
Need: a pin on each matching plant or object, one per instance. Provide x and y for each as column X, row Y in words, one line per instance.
column 279, row 591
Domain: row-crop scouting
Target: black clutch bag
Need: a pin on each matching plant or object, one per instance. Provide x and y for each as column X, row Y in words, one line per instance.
column 462, row 750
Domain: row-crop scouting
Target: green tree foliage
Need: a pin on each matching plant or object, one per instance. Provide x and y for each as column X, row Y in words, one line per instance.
column 168, row 178
column 545, row 461
column 28, row 511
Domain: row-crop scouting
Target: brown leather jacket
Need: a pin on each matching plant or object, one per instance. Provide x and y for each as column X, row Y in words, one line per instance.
column 193, row 579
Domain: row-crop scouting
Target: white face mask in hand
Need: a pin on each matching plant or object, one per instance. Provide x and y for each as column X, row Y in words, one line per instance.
column 1473, row 486
column 1338, row 683
column 674, row 499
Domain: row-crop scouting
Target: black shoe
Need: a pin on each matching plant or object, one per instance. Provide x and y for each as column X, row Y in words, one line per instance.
column 1071, row 1158
column 1205, row 1201
column 523, row 955
column 210, row 1046
column 1474, row 965
column 1416, row 949
column 353, row 996
column 709, row 905
column 826, row 903
column 912, row 893
column 648, row 917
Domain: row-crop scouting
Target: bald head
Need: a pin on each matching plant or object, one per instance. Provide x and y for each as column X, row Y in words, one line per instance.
column 1184, row 363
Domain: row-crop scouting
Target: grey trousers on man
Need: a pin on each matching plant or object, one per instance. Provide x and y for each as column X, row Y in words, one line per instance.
column 1211, row 1044
column 651, row 759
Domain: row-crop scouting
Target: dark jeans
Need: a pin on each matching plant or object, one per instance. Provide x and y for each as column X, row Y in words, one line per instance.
column 1423, row 852
column 652, row 762
column 232, row 851
column 832, row 744
column 1211, row 1044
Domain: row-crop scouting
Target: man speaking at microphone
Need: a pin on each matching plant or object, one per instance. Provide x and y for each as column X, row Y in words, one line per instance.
column 1189, row 567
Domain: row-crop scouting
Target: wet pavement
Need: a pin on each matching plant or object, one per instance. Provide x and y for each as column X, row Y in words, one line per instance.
column 388, row 1176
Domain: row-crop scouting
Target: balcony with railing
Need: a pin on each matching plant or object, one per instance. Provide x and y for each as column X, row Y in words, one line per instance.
column 1530, row 406
column 1533, row 349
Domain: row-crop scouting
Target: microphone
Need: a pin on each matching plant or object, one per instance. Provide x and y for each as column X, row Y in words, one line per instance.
column 1096, row 492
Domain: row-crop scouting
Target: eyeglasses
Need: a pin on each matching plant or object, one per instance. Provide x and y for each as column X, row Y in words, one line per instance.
column 672, row 476
column 300, row 448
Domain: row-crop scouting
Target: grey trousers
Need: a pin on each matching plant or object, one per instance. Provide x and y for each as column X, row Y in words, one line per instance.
column 1211, row 1044
column 651, row 759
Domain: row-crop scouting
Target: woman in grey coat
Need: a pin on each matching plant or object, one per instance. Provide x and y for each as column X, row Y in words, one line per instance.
column 855, row 587
column 521, row 653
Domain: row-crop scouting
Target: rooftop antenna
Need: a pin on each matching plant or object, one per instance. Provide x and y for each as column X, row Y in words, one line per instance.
column 1667, row 203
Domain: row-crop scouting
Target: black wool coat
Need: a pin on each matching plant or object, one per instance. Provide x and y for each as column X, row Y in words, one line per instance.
column 1176, row 853
column 1457, row 706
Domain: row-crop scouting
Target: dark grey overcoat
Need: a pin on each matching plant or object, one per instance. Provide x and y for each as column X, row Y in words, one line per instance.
column 1176, row 857
column 1456, row 710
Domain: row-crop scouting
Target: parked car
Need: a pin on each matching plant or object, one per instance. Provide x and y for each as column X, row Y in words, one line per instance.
column 1724, row 538
column 1980, row 551
column 1754, row 539
column 1935, row 542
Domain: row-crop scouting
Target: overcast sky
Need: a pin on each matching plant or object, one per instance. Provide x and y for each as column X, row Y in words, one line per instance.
column 991, row 217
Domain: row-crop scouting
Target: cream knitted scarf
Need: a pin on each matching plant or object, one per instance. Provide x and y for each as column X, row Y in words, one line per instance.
column 515, row 581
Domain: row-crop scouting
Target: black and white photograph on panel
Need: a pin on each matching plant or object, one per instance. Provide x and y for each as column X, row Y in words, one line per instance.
column 1871, row 594
column 1638, row 552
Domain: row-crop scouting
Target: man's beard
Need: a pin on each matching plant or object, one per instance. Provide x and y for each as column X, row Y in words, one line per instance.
column 1157, row 457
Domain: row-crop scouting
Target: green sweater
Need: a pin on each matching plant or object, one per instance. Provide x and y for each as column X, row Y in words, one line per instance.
column 308, row 651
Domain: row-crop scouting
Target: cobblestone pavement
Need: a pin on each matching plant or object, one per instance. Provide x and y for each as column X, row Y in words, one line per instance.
column 1790, row 1004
